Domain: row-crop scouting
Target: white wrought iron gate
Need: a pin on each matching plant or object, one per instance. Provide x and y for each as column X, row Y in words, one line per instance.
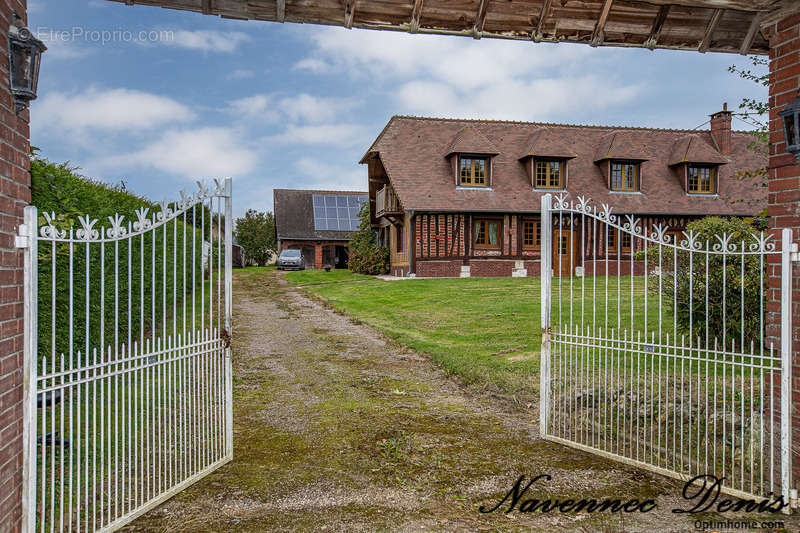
column 657, row 349
column 127, row 374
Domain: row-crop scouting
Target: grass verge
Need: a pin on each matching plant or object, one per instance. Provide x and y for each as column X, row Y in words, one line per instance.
column 315, row 277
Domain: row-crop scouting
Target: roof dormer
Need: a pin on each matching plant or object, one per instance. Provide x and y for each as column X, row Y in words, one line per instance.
column 620, row 155
column 470, row 154
column 697, row 164
column 545, row 159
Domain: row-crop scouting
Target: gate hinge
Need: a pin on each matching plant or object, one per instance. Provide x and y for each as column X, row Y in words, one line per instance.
column 226, row 337
column 21, row 240
column 795, row 255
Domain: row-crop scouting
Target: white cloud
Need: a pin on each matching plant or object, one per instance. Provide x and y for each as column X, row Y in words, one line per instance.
column 195, row 154
column 325, row 176
column 317, row 66
column 207, row 40
column 301, row 107
column 340, row 135
column 445, row 76
column 536, row 100
column 241, row 74
column 259, row 106
column 314, row 109
column 467, row 63
column 111, row 109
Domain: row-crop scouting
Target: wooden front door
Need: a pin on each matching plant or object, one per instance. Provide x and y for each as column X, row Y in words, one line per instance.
column 562, row 248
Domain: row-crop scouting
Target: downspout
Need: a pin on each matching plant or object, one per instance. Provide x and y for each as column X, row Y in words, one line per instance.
column 412, row 248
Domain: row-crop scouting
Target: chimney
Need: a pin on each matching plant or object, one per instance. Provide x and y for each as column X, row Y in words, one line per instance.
column 721, row 129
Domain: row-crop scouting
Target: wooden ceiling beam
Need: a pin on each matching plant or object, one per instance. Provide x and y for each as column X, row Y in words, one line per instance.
column 349, row 13
column 480, row 19
column 751, row 33
column 712, row 25
column 206, row 7
column 280, row 10
column 416, row 13
column 537, row 33
column 597, row 34
column 658, row 25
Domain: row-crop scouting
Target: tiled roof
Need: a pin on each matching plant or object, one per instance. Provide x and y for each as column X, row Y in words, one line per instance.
column 471, row 141
column 545, row 142
column 621, row 145
column 693, row 149
column 294, row 215
column 413, row 151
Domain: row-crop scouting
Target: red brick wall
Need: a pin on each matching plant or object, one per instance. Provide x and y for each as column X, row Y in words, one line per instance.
column 487, row 268
column 784, row 187
column 14, row 196
column 439, row 269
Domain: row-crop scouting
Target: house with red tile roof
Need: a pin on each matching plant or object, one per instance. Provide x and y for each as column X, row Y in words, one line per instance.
column 462, row 197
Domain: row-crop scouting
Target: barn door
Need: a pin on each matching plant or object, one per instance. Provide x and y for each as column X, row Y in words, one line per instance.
column 127, row 376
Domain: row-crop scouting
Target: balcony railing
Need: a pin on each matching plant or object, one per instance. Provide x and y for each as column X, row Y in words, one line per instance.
column 386, row 202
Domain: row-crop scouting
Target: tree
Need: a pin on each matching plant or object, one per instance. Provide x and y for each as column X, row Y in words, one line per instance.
column 752, row 112
column 366, row 257
column 255, row 233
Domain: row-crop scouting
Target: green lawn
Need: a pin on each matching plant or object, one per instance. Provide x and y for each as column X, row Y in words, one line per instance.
column 314, row 277
column 487, row 330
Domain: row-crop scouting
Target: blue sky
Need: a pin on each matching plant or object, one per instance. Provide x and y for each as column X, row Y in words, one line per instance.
column 163, row 97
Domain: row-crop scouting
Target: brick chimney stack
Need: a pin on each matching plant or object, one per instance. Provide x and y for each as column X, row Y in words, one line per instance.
column 721, row 129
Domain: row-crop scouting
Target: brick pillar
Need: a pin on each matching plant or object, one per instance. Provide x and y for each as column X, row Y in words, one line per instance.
column 318, row 255
column 784, row 190
column 14, row 196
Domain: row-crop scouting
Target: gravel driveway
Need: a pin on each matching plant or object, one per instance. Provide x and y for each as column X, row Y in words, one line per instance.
column 339, row 429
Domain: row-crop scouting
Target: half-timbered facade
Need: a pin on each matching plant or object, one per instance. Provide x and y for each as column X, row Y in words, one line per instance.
column 462, row 198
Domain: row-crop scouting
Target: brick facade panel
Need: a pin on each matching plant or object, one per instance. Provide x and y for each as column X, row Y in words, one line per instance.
column 784, row 198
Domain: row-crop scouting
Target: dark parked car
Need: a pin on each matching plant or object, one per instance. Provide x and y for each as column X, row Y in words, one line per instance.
column 291, row 260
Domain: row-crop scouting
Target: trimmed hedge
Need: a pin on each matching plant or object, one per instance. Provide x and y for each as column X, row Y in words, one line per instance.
column 58, row 188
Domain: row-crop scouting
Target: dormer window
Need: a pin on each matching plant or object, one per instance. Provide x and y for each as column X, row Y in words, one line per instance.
column 625, row 176
column 549, row 173
column 473, row 171
column 701, row 179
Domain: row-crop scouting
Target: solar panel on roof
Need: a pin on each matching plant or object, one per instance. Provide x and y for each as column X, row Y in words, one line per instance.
column 338, row 212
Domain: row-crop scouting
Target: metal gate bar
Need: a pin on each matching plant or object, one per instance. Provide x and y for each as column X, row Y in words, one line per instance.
column 127, row 381
column 655, row 353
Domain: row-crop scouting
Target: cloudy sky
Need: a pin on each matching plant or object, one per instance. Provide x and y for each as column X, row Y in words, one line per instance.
column 160, row 98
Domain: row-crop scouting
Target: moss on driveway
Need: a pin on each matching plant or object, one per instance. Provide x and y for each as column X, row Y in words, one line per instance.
column 339, row 428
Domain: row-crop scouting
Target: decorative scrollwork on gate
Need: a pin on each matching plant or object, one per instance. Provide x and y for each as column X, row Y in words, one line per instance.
column 119, row 228
column 659, row 234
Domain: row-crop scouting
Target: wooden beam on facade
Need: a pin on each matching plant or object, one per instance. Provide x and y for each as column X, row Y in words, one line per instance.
column 712, row 25
column 349, row 13
column 416, row 12
column 280, row 10
column 537, row 33
column 597, row 34
column 755, row 26
column 658, row 25
column 480, row 19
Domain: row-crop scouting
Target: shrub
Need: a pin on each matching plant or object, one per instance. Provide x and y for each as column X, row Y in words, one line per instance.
column 366, row 257
column 255, row 233
column 699, row 300
column 58, row 188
